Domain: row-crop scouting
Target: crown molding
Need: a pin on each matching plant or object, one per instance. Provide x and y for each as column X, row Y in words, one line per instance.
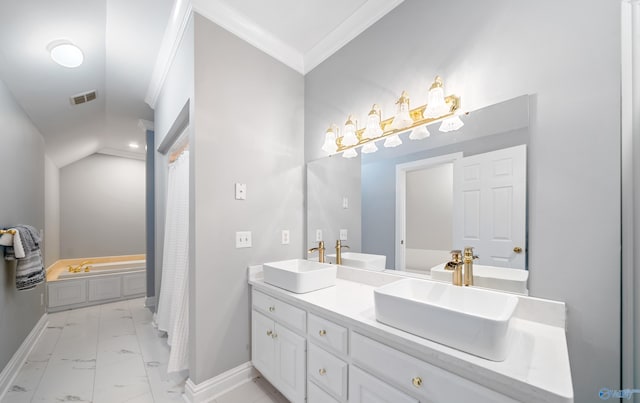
column 122, row 153
column 250, row 32
column 367, row 15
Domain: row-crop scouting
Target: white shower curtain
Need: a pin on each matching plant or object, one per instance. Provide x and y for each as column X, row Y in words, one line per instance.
column 173, row 305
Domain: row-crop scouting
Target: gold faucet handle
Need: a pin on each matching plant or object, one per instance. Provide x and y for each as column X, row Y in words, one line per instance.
column 456, row 255
column 468, row 253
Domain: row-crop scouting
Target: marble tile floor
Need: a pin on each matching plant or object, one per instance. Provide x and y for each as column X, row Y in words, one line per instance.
column 110, row 354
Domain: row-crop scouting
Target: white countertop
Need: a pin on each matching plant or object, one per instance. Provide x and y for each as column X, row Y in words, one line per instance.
column 536, row 368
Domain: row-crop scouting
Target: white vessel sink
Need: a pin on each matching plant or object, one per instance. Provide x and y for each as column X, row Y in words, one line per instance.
column 498, row 278
column 299, row 276
column 469, row 319
column 361, row 260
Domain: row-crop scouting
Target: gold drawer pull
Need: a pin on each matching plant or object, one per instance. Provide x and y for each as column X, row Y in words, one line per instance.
column 322, row 332
column 517, row 249
column 272, row 308
column 417, row 381
column 322, row 371
column 269, row 332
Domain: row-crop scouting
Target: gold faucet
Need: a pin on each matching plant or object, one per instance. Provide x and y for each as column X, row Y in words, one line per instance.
column 339, row 247
column 320, row 249
column 84, row 266
column 456, row 265
column 468, row 265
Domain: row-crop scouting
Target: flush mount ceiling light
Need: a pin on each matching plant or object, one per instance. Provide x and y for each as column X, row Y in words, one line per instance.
column 65, row 53
column 439, row 108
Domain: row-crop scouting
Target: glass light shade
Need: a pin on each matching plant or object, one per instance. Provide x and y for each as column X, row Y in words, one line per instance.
column 451, row 124
column 392, row 141
column 369, row 148
column 349, row 138
column 330, row 146
column 350, row 153
column 402, row 118
column 419, row 133
column 66, row 54
column 436, row 105
column 373, row 128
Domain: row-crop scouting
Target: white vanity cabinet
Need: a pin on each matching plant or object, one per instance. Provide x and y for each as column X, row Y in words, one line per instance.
column 278, row 352
column 364, row 388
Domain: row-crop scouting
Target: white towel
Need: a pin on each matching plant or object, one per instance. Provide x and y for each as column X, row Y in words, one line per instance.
column 6, row 239
column 15, row 241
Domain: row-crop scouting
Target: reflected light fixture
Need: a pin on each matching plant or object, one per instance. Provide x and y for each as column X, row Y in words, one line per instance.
column 419, row 133
column 402, row 118
column 373, row 128
column 133, row 144
column 436, row 105
column 392, row 141
column 349, row 137
column 451, row 124
column 330, row 146
column 369, row 148
column 65, row 53
column 350, row 153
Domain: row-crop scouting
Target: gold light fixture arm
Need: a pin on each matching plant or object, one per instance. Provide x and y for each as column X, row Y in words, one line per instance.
column 7, row 231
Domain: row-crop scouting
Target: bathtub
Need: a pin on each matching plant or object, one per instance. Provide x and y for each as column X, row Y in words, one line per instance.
column 105, row 282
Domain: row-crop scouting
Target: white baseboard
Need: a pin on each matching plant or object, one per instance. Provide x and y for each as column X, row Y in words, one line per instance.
column 12, row 368
column 212, row 388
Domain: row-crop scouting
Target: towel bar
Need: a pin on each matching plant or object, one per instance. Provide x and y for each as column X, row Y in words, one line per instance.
column 7, row 231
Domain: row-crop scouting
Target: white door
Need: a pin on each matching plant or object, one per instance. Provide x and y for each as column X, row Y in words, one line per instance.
column 364, row 388
column 489, row 206
column 263, row 345
column 290, row 364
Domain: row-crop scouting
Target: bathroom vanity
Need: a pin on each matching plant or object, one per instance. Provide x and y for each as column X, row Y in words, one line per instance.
column 327, row 346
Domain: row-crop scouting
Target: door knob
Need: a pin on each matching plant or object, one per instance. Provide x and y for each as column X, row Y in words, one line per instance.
column 517, row 249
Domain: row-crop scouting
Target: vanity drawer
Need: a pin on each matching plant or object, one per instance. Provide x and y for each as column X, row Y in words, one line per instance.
column 327, row 370
column 317, row 395
column 282, row 312
column 431, row 383
column 328, row 334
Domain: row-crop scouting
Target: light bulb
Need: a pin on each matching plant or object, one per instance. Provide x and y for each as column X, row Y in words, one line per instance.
column 451, row 124
column 349, row 138
column 350, row 153
column 392, row 141
column 436, row 105
column 419, row 133
column 402, row 118
column 373, row 128
column 330, row 146
column 369, row 148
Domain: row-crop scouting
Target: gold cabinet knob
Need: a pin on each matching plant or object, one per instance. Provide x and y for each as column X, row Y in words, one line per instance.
column 269, row 332
column 417, row 381
column 272, row 308
column 322, row 332
column 517, row 249
column 322, row 371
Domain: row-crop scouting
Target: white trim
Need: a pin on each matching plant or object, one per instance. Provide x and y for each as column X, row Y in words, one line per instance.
column 367, row 15
column 145, row 125
column 10, row 371
column 236, row 23
column 212, row 388
column 401, row 194
column 122, row 153
column 150, row 302
column 173, row 34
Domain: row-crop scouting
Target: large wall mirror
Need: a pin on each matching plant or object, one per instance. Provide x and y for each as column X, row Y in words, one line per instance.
column 414, row 203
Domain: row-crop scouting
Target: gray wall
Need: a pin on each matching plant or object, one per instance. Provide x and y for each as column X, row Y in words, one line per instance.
column 494, row 50
column 329, row 180
column 150, row 213
column 249, row 126
column 22, row 155
column 51, row 212
column 102, row 207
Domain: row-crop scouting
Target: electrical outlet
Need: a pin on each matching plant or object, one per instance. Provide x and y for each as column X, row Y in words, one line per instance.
column 343, row 234
column 241, row 191
column 345, row 202
column 318, row 235
column 243, row 239
column 285, row 237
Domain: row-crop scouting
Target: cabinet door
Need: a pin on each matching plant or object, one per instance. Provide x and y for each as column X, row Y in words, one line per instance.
column 291, row 364
column 262, row 345
column 364, row 388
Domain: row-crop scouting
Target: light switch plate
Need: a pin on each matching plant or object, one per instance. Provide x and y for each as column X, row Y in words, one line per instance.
column 243, row 239
column 345, row 202
column 318, row 235
column 285, row 237
column 241, row 191
column 343, row 234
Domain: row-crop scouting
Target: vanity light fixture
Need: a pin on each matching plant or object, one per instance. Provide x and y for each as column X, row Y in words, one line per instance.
column 65, row 53
column 440, row 108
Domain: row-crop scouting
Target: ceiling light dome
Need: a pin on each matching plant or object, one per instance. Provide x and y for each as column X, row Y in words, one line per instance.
column 65, row 53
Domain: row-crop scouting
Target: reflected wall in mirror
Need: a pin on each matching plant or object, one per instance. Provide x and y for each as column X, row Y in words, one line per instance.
column 369, row 195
